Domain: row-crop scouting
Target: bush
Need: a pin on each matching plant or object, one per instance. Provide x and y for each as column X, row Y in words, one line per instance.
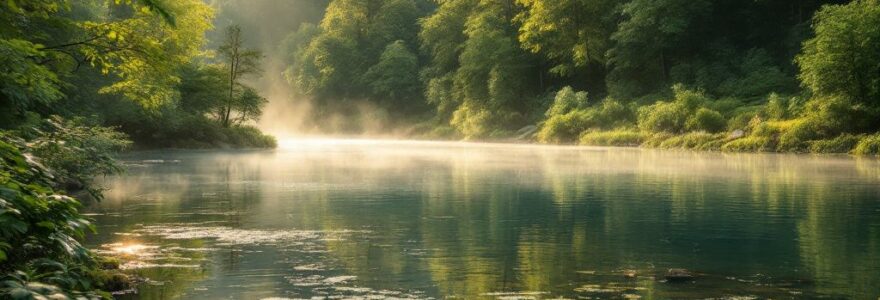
column 243, row 136
column 837, row 115
column 567, row 100
column 868, row 145
column 741, row 117
column 749, row 144
column 776, row 108
column 40, row 253
column 690, row 99
column 694, row 140
column 614, row 114
column 841, row 144
column 626, row 138
column 726, row 106
column 663, row 117
column 569, row 116
column 566, row 128
column 797, row 137
column 672, row 116
column 706, row 120
column 77, row 153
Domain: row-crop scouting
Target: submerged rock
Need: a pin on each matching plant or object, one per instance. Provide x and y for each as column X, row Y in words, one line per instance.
column 630, row 273
column 675, row 275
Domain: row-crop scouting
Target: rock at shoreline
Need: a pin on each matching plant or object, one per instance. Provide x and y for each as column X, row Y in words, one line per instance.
column 736, row 134
column 677, row 275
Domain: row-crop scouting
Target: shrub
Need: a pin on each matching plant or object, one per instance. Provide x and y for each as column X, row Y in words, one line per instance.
column 663, row 117
column 40, row 253
column 749, row 144
column 654, row 140
column 706, row 120
column 776, row 108
column 243, row 136
column 841, row 144
column 797, row 137
column 690, row 99
column 725, row 106
column 672, row 116
column 740, row 117
column 476, row 120
column 567, row 100
column 566, row 128
column 694, row 140
column 614, row 114
column 868, row 145
column 628, row 138
column 76, row 153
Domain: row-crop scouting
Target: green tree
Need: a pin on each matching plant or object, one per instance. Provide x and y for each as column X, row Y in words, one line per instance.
column 844, row 56
column 441, row 38
column 492, row 79
column 46, row 42
column 395, row 79
column 647, row 41
column 238, row 62
column 572, row 33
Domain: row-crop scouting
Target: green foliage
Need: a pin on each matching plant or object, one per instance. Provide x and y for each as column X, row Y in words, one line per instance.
column 749, row 144
column 797, row 136
column 868, row 145
column 694, row 140
column 362, row 49
column 242, row 103
column 706, row 120
column 77, row 153
column 394, row 80
column 45, row 39
column 567, row 100
column 777, row 107
column 570, row 115
column 844, row 56
column 24, row 83
column 662, row 116
column 673, row 117
column 625, row 138
column 571, row 33
column 841, row 144
column 646, row 40
column 566, row 127
column 40, row 231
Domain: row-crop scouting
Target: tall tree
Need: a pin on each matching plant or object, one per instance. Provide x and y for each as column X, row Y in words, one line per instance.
column 844, row 56
column 239, row 62
column 572, row 33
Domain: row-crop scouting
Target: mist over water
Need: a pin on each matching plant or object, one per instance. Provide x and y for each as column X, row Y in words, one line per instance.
column 400, row 219
column 265, row 24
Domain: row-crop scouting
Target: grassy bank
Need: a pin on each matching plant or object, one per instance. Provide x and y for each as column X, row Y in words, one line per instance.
column 690, row 119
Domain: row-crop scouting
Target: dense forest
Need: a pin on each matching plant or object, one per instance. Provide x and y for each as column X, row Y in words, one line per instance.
column 83, row 79
column 792, row 76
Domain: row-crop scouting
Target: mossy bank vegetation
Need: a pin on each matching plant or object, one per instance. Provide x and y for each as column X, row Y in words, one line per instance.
column 787, row 76
column 835, row 112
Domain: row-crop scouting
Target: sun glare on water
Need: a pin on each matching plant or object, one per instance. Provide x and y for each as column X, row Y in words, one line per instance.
column 130, row 249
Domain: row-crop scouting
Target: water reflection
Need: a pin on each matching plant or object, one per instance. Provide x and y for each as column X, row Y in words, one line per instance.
column 416, row 220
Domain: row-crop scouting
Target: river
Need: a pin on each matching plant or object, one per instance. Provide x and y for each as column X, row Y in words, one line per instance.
column 372, row 219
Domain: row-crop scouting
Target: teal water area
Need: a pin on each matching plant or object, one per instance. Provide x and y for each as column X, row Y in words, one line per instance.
column 360, row 219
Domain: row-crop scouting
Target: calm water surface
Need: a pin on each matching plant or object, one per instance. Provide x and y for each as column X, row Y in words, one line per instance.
column 384, row 219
